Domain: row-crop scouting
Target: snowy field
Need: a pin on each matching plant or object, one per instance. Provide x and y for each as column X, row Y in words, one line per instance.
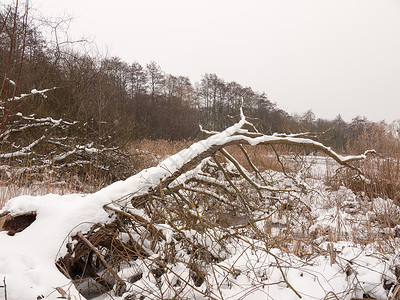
column 311, row 241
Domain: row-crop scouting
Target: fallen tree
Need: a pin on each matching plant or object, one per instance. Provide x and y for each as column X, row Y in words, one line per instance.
column 175, row 231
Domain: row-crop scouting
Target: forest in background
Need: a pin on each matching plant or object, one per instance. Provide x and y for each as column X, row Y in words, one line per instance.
column 115, row 102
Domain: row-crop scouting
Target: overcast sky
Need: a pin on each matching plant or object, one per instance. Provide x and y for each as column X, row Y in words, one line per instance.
column 331, row 56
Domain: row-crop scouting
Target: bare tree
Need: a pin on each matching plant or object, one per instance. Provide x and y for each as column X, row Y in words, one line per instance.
column 156, row 79
column 137, row 80
column 13, row 34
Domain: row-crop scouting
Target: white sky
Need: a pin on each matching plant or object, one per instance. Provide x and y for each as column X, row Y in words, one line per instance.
column 331, row 56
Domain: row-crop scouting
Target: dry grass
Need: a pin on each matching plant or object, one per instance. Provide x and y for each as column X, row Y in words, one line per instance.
column 376, row 218
column 383, row 171
column 148, row 153
column 47, row 182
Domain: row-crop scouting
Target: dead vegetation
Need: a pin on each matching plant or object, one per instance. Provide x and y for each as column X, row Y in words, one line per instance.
column 383, row 171
column 190, row 218
column 170, row 241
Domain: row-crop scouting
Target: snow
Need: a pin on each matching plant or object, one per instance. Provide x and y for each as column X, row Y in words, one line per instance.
column 27, row 260
column 248, row 268
column 42, row 93
column 11, row 81
column 25, row 151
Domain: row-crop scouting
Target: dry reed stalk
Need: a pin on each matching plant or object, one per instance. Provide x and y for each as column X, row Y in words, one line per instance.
column 149, row 153
column 23, row 181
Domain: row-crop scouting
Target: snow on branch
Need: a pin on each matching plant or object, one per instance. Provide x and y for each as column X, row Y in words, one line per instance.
column 52, row 143
column 32, row 93
column 25, row 151
column 239, row 134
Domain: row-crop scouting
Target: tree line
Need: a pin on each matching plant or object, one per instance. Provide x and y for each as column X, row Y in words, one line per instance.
column 119, row 101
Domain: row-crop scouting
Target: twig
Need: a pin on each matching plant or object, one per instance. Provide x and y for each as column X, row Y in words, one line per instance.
column 103, row 261
column 153, row 230
column 5, row 288
column 284, row 276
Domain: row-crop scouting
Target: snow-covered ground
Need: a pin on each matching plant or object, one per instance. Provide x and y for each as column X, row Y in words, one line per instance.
column 248, row 269
column 334, row 243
